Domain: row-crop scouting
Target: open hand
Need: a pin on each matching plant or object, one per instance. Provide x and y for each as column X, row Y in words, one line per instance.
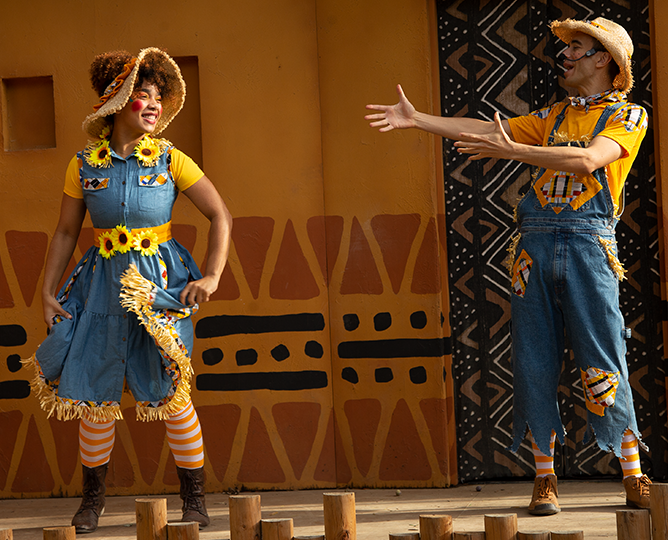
column 496, row 144
column 399, row 116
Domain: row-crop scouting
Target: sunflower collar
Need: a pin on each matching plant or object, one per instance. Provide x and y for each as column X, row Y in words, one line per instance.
column 147, row 151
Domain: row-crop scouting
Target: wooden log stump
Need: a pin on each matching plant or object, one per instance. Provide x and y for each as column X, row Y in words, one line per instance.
column 435, row 527
column 474, row 535
column 245, row 517
column 658, row 509
column 277, row 529
column 151, row 519
column 533, row 535
column 183, row 531
column 59, row 533
column 568, row 535
column 633, row 525
column 6, row 534
column 405, row 536
column 340, row 519
column 501, row 527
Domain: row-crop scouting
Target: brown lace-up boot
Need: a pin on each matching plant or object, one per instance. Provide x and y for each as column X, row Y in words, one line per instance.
column 92, row 504
column 192, row 494
column 544, row 500
column 637, row 491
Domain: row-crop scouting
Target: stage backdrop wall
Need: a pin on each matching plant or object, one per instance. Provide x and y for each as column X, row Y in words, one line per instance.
column 501, row 56
column 323, row 359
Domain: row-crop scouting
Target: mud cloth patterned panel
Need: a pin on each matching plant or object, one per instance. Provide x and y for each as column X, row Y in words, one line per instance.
column 500, row 55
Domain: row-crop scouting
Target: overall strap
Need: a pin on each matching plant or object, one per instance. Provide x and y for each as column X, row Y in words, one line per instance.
column 600, row 126
column 557, row 125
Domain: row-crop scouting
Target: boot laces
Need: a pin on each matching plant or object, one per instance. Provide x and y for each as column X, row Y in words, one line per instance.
column 192, row 497
column 544, row 487
column 643, row 485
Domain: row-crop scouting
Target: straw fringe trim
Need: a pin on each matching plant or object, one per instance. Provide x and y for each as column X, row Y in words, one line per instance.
column 615, row 265
column 137, row 295
column 509, row 261
column 52, row 404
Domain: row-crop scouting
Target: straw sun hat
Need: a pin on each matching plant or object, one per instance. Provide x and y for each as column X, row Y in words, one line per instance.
column 611, row 35
column 117, row 94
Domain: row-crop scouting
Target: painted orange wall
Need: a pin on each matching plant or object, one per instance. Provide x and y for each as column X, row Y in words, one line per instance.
column 658, row 16
column 332, row 220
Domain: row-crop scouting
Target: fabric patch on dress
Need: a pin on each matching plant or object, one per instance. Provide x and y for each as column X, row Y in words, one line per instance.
column 600, row 388
column 92, row 184
column 152, row 180
column 520, row 273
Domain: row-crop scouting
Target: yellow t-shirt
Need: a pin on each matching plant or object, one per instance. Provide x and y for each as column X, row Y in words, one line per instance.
column 627, row 127
column 185, row 171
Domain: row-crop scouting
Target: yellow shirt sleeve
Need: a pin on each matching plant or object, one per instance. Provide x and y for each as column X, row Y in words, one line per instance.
column 184, row 170
column 532, row 129
column 72, row 180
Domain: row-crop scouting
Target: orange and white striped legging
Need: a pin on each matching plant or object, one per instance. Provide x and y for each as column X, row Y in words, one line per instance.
column 630, row 461
column 184, row 436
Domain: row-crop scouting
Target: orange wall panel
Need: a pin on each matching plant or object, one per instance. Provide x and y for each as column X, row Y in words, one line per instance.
column 323, row 359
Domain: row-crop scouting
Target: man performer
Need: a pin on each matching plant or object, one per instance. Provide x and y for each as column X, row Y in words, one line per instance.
column 564, row 265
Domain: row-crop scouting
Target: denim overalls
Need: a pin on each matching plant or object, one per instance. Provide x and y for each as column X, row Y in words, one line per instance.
column 565, row 277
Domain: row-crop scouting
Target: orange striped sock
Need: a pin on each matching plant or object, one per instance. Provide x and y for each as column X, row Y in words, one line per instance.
column 544, row 464
column 184, row 437
column 96, row 441
column 631, row 454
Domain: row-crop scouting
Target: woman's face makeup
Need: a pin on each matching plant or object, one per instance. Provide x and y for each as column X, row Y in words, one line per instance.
column 143, row 109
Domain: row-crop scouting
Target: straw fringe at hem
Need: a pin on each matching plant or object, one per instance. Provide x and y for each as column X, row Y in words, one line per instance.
column 50, row 403
column 136, row 296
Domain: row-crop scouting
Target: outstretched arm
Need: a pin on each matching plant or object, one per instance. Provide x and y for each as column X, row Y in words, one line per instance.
column 403, row 116
column 208, row 201
column 498, row 144
column 72, row 213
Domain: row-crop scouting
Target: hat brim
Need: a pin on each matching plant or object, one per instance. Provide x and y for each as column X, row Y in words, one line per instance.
column 95, row 123
column 565, row 30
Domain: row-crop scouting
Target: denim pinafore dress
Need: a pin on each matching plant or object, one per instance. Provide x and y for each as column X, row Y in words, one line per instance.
column 565, row 279
column 128, row 328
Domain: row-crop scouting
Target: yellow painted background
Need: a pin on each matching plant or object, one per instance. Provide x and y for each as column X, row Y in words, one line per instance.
column 275, row 117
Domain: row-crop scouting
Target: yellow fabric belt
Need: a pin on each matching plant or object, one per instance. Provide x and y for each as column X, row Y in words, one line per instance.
column 120, row 239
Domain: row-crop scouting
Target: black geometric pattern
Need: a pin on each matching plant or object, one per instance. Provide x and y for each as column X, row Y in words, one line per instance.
column 501, row 56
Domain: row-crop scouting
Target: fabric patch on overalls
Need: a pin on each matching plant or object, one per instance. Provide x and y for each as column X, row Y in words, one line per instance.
column 562, row 188
column 95, row 183
column 566, row 188
column 613, row 261
column 520, row 275
column 600, row 388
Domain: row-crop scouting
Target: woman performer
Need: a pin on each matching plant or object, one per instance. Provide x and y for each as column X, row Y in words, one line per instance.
column 123, row 317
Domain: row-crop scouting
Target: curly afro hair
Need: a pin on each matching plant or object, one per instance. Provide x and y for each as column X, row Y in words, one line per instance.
column 107, row 66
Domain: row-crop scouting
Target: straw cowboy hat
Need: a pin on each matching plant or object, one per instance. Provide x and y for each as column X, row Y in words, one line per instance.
column 611, row 35
column 119, row 91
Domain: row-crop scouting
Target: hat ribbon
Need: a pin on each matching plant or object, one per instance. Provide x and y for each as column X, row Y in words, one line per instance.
column 116, row 84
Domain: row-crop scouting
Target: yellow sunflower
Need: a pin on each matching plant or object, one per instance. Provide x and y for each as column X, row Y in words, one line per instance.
column 106, row 130
column 98, row 154
column 148, row 152
column 146, row 242
column 107, row 249
column 122, row 239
